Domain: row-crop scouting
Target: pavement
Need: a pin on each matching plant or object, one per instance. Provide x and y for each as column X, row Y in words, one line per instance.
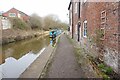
column 64, row 63
column 35, row 69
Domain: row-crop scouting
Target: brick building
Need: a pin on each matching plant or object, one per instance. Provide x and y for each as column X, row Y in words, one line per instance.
column 74, row 19
column 95, row 25
column 16, row 13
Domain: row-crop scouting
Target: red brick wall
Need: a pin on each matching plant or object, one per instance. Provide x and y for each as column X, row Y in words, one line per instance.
column 13, row 10
column 111, row 36
column 25, row 18
column 92, row 13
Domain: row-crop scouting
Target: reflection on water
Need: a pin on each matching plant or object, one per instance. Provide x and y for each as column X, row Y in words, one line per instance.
column 12, row 67
column 16, row 57
column 18, row 49
column 52, row 41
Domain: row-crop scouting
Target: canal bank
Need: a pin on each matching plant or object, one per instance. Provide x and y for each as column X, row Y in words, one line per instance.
column 11, row 35
column 36, row 68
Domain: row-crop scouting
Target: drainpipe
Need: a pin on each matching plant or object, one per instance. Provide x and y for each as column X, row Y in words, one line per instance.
column 72, row 20
column 79, row 24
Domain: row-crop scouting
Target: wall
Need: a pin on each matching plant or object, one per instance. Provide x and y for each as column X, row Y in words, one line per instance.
column 91, row 11
column 5, row 23
column 13, row 10
column 111, row 36
column 106, row 48
column 18, row 13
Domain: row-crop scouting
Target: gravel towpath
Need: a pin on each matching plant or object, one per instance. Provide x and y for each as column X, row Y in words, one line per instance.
column 64, row 64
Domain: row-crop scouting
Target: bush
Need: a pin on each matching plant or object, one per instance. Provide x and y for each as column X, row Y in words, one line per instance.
column 101, row 66
column 106, row 77
column 107, row 70
column 18, row 23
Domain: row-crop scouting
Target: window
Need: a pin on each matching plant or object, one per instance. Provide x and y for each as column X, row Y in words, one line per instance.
column 102, row 27
column 102, row 33
column 103, row 17
column 85, row 28
column 12, row 15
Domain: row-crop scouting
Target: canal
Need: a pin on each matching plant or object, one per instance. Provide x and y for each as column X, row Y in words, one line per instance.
column 18, row 56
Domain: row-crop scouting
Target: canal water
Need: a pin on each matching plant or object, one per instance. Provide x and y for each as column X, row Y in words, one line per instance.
column 17, row 56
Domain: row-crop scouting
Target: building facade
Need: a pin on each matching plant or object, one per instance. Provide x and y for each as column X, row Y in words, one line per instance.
column 12, row 13
column 96, row 26
column 16, row 13
column 4, row 23
column 74, row 19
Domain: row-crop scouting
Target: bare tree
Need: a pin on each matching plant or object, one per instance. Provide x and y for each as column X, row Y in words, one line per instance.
column 35, row 21
column 52, row 21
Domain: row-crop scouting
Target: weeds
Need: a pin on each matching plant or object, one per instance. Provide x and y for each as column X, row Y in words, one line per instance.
column 18, row 24
column 106, row 70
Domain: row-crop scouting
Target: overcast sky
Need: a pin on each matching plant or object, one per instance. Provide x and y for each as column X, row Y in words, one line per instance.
column 41, row 7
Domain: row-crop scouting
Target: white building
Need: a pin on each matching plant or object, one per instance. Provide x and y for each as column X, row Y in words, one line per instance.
column 5, row 23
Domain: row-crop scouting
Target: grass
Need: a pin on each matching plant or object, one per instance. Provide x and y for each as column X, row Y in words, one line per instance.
column 83, row 60
column 105, row 69
column 71, row 40
column 59, row 40
column 79, row 55
column 78, row 51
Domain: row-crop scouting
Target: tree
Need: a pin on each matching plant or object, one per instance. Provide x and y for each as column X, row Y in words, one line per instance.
column 35, row 21
column 52, row 22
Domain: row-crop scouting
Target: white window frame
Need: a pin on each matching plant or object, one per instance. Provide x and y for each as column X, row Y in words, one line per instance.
column 103, row 17
column 12, row 14
column 85, row 22
column 85, row 1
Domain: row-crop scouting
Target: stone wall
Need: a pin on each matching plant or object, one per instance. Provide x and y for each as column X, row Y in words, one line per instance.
column 111, row 58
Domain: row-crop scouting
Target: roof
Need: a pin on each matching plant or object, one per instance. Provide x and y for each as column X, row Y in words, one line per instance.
column 18, row 11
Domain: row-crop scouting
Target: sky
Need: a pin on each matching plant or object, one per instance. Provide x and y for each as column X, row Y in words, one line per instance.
column 40, row 7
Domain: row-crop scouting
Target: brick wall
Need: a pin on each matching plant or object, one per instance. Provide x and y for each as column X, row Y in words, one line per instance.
column 13, row 10
column 91, row 11
column 18, row 13
column 103, row 16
